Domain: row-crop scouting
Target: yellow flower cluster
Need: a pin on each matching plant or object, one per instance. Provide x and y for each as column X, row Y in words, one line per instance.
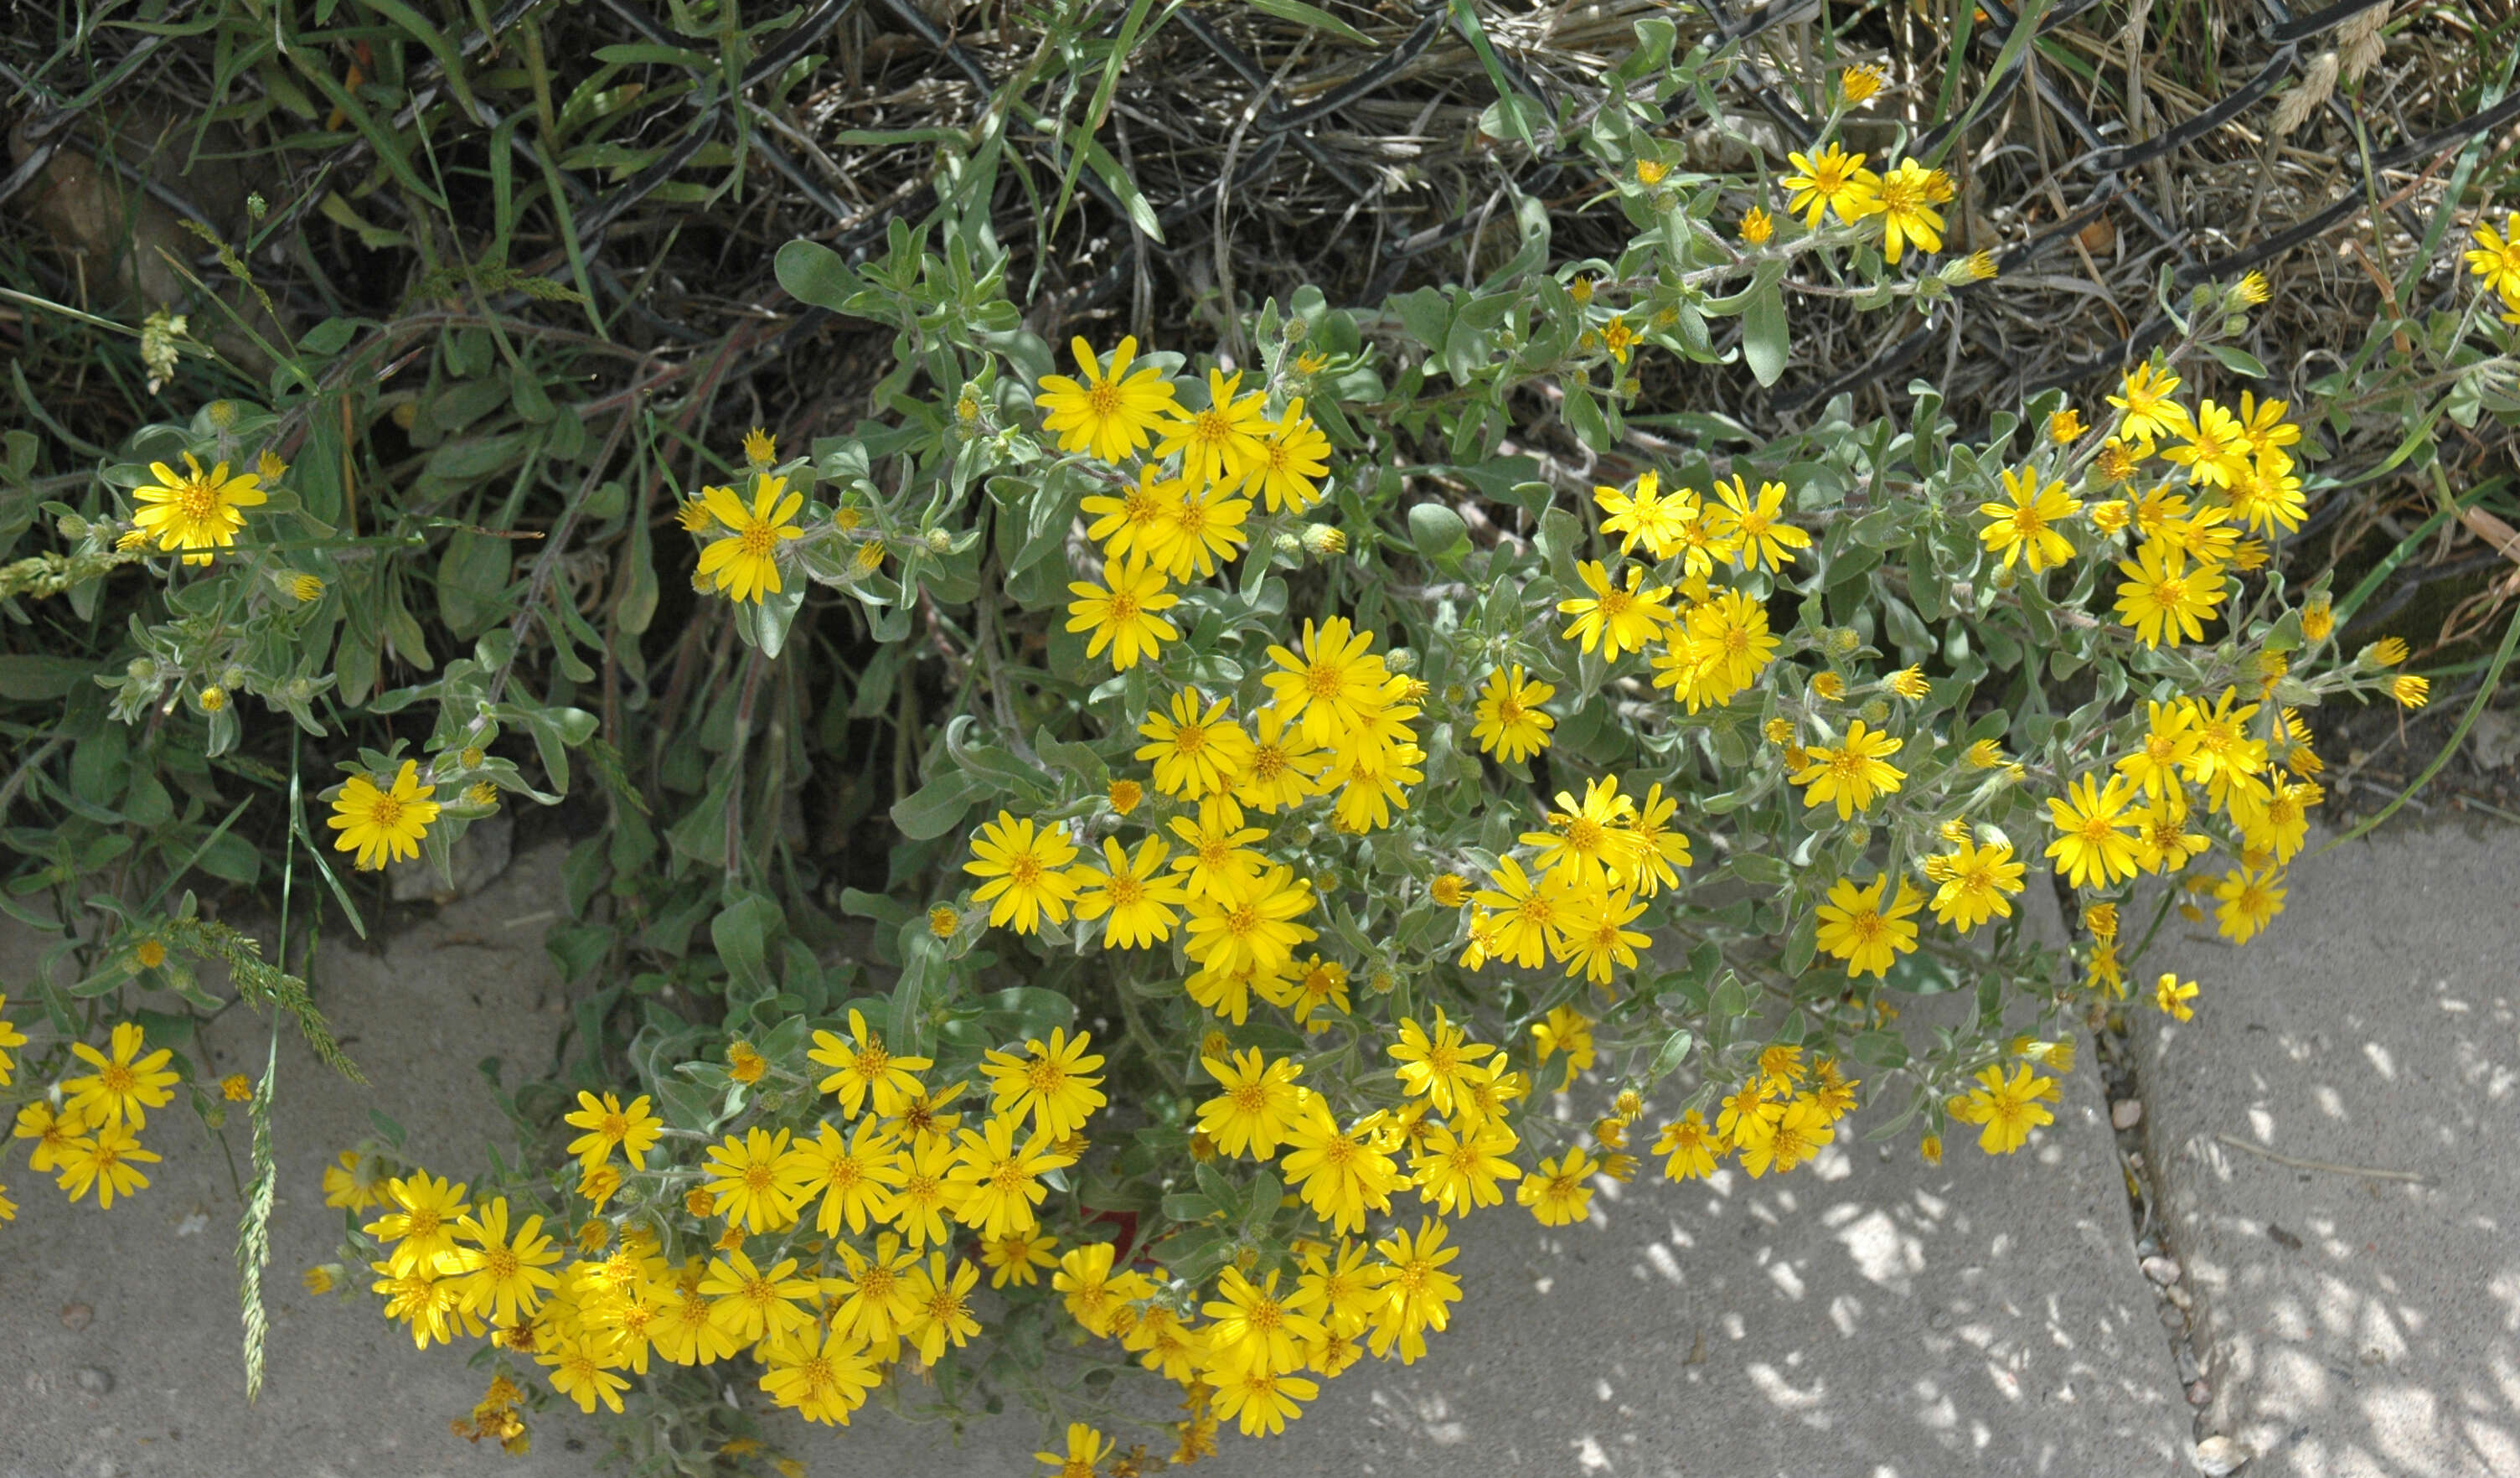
column 1903, row 199
column 1780, row 1117
column 1183, row 483
column 2143, row 817
column 86, row 1134
column 851, row 1271
column 1591, row 872
column 1715, row 643
column 1339, row 729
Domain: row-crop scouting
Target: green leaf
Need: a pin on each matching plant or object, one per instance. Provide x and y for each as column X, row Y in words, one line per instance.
column 1311, row 19
column 1766, row 341
column 2237, row 360
column 813, row 273
column 742, row 936
column 472, row 581
column 1437, row 532
column 936, row 807
column 41, row 679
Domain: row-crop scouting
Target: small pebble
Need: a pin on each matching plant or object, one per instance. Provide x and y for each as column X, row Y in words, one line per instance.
column 2161, row 1270
column 2171, row 1320
column 2200, row 1393
column 2126, row 1113
column 78, row 1315
column 95, row 1380
column 2217, row 1455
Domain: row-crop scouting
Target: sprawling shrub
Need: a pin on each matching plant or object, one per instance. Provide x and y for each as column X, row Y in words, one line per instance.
column 1388, row 771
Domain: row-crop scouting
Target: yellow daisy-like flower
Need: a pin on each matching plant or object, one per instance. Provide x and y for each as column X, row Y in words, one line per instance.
column 194, row 510
column 1834, row 181
column 1613, row 619
column 2163, row 599
column 1109, row 414
column 124, row 1086
column 2172, row 996
column 1757, row 225
column 1137, row 897
column 1295, row 456
column 1757, row 530
column 1511, row 723
column 1975, row 883
column 2215, row 446
column 2250, row 898
column 1196, row 750
column 1025, row 869
column 2497, row 258
column 2025, row 527
column 382, row 826
column 1123, row 617
column 2006, row 1108
column 1086, row 1450
column 1559, row 1191
column 1220, row 444
column 1851, row 774
column 2150, row 413
column 1856, row 928
column 1905, row 200
column 744, row 564
column 2091, row 844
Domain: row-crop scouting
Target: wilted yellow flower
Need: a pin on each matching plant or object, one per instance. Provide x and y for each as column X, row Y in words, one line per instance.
column 760, row 448
column 214, row 698
column 2065, row 425
column 1984, row 754
column 306, row 588
column 2318, row 619
column 2388, row 651
column 1828, row 687
column 2410, row 691
column 1125, row 795
column 1756, row 227
column 1651, row 173
column 1858, row 85
column 870, row 557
